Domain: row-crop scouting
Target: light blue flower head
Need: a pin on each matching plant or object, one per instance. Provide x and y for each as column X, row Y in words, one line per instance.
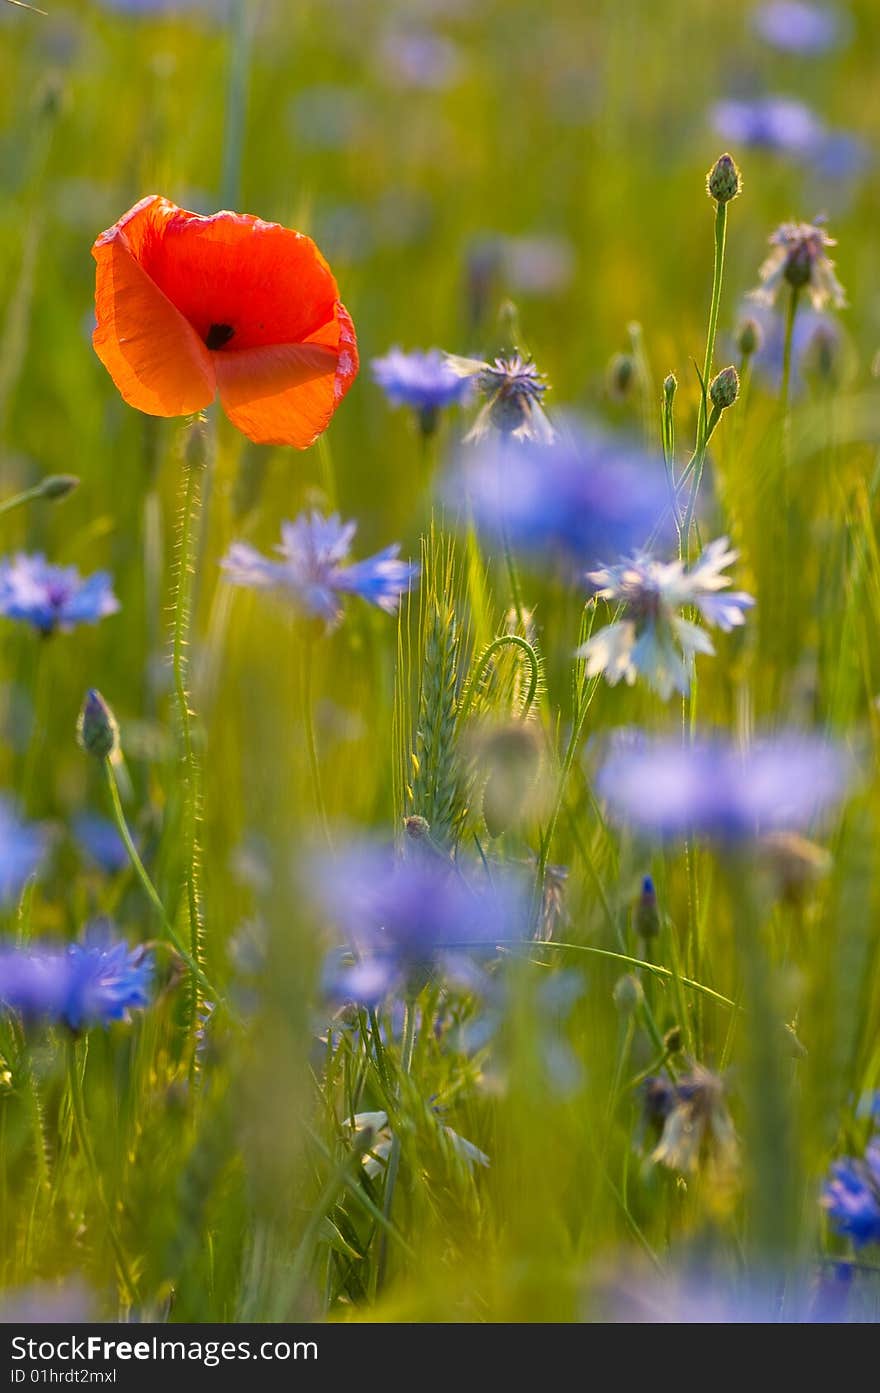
column 311, row 572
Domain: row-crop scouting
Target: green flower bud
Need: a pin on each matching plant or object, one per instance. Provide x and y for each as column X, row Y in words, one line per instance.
column 724, row 181
column 750, row 338
column 670, row 387
column 629, row 994
column 96, row 729
column 620, row 376
column 724, row 389
column 58, row 486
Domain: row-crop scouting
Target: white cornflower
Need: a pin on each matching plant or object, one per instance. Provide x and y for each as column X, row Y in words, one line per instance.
column 651, row 637
column 798, row 259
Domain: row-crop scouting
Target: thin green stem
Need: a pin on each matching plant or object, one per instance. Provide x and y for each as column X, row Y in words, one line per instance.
column 84, row 1137
column 308, row 716
column 406, row 1054
column 714, row 307
column 790, row 315
column 144, row 878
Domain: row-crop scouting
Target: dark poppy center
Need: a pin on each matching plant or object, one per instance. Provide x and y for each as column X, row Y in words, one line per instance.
column 218, row 335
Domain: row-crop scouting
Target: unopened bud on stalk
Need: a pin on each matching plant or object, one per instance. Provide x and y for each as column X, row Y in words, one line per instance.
column 620, row 376
column 724, row 181
column 670, row 387
column 57, row 486
column 724, row 389
column 750, row 337
column 647, row 917
column 629, row 994
column 96, row 729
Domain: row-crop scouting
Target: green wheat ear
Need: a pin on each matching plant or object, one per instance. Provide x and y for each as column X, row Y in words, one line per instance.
column 428, row 684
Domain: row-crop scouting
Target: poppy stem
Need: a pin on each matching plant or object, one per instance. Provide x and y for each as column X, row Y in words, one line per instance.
column 194, row 461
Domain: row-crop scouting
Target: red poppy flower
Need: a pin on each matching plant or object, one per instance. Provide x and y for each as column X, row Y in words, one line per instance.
column 189, row 306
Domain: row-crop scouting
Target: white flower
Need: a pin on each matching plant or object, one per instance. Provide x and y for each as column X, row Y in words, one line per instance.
column 650, row 636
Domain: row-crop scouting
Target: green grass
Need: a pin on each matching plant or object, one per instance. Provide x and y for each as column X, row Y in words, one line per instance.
column 230, row 1188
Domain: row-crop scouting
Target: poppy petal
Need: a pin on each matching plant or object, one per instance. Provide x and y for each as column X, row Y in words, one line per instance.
column 154, row 356
column 268, row 284
column 286, row 394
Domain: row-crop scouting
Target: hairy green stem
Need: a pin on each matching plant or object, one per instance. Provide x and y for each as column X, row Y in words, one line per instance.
column 193, row 462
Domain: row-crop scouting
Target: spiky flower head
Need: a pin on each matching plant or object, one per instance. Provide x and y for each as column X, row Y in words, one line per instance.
column 696, row 1125
column 651, row 637
column 724, row 181
column 513, row 389
column 799, row 260
column 724, row 389
column 97, row 730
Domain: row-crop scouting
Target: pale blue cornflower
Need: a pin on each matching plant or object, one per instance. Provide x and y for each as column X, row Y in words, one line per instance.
column 423, row 381
column 851, row 1198
column 22, row 848
column 694, row 1291
column 797, row 27
column 799, row 261
column 651, row 637
column 312, row 573
column 783, row 125
column 79, row 985
column 569, row 502
column 513, row 389
column 663, row 788
column 54, row 599
column 403, row 920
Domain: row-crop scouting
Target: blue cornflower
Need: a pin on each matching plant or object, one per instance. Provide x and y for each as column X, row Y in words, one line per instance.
column 79, row 984
column 423, row 381
column 580, row 497
column 650, row 636
column 311, row 572
column 403, row 919
column 101, row 842
column 22, row 847
column 852, row 1196
column 797, row 27
column 53, row 598
column 780, row 124
column 665, row 789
